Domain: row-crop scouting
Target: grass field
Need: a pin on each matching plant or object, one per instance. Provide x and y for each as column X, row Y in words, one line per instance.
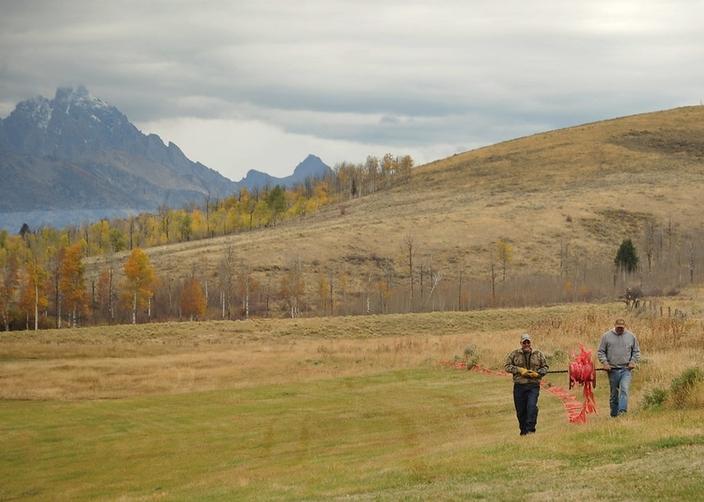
column 351, row 407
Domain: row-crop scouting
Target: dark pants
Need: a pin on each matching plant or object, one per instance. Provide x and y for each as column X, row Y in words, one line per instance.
column 525, row 397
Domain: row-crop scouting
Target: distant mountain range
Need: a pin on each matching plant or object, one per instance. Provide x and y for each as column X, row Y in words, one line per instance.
column 76, row 158
column 311, row 167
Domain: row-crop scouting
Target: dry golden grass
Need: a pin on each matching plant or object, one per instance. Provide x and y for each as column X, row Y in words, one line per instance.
column 120, row 361
column 607, row 178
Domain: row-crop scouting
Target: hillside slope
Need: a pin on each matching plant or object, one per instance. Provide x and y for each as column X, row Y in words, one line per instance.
column 589, row 186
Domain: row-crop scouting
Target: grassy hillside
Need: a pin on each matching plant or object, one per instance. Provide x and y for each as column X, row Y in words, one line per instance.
column 588, row 186
column 315, row 409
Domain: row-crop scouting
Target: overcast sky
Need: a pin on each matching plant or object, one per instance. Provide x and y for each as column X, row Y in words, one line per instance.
column 242, row 85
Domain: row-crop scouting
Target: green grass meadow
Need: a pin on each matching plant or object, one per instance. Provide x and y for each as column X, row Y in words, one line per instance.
column 413, row 434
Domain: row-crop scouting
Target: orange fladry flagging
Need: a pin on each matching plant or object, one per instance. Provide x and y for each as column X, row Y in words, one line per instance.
column 581, row 371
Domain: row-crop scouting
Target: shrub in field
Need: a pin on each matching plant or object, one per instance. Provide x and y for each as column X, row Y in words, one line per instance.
column 557, row 357
column 654, row 398
column 683, row 387
column 471, row 356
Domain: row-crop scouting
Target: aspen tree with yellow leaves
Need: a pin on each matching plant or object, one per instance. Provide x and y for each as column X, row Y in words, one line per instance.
column 72, row 283
column 9, row 268
column 293, row 287
column 140, row 281
column 504, row 253
column 33, row 297
column 192, row 299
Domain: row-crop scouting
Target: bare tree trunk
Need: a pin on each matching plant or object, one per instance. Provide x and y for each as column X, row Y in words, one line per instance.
column 421, row 283
column 207, row 222
column 131, row 231
column 222, row 302
column 268, row 287
column 409, row 243
column 246, row 298
column 330, row 274
column 459, row 293
column 36, row 306
column 171, row 298
column 369, row 285
column 435, row 278
column 57, row 296
column 493, row 285
column 111, row 306
column 134, row 308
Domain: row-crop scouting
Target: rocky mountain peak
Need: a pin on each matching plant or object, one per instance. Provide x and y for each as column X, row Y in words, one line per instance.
column 76, row 152
column 36, row 111
column 77, row 96
column 312, row 165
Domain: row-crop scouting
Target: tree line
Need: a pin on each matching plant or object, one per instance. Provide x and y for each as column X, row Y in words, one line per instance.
column 49, row 287
column 244, row 211
column 43, row 279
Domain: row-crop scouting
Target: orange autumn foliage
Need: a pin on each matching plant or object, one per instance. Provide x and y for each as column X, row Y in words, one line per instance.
column 192, row 299
column 140, row 280
column 72, row 284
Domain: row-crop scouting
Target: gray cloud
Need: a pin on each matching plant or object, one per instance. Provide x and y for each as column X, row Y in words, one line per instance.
column 401, row 74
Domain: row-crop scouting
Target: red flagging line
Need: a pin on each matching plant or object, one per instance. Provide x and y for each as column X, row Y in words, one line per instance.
column 576, row 411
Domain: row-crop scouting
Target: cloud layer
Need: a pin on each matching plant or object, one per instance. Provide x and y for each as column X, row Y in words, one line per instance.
column 241, row 85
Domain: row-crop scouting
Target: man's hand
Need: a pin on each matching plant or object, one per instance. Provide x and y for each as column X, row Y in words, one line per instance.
column 533, row 374
column 631, row 365
column 607, row 366
column 521, row 371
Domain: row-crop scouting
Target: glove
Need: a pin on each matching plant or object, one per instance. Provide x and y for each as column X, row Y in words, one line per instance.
column 532, row 374
column 521, row 371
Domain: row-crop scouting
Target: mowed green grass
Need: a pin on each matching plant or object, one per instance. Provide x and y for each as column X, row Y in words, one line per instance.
column 411, row 434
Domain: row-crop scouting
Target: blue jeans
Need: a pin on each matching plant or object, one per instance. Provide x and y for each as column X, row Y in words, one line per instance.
column 525, row 398
column 620, row 381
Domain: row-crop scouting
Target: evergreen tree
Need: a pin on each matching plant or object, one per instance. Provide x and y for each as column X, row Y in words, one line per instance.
column 277, row 202
column 626, row 257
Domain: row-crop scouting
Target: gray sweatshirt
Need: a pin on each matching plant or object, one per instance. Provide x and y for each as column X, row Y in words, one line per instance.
column 618, row 350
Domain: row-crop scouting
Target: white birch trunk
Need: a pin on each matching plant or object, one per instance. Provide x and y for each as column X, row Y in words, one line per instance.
column 222, row 302
column 134, row 308
column 245, row 300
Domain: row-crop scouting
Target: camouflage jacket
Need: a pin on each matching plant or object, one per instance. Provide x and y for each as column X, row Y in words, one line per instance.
column 533, row 360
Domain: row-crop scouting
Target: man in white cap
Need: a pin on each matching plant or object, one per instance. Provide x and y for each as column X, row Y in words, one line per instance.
column 619, row 352
column 528, row 366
